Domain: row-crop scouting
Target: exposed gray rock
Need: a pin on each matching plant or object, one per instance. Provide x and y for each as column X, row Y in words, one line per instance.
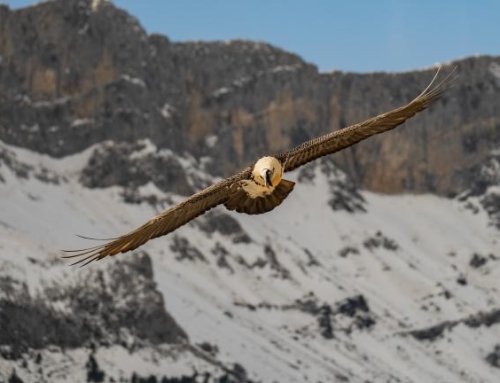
column 353, row 305
column 356, row 308
column 186, row 251
column 491, row 204
column 22, row 170
column 462, row 280
column 98, row 306
column 325, row 321
column 272, row 259
column 94, row 373
column 380, row 240
column 344, row 316
column 222, row 257
column 312, row 261
column 478, row 260
column 123, row 164
column 216, row 221
column 345, row 251
column 344, row 194
column 235, row 374
column 480, row 319
column 434, row 332
column 14, row 378
column 252, row 98
column 134, row 196
column 493, row 358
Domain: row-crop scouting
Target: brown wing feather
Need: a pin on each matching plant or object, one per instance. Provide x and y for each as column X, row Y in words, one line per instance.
column 343, row 138
column 165, row 222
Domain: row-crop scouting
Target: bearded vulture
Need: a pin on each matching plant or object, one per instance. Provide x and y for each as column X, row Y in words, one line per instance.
column 260, row 187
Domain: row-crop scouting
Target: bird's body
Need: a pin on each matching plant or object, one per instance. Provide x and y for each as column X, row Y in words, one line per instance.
column 260, row 187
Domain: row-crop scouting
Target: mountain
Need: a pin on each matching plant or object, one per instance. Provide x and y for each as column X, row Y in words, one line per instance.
column 75, row 73
column 102, row 126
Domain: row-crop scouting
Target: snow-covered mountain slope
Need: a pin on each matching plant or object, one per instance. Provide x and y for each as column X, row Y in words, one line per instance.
column 335, row 285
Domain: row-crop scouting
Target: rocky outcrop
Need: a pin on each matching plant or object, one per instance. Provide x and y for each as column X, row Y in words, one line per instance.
column 344, row 193
column 131, row 166
column 224, row 224
column 77, row 72
column 480, row 319
column 99, row 308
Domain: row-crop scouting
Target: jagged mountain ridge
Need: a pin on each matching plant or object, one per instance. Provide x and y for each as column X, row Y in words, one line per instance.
column 74, row 73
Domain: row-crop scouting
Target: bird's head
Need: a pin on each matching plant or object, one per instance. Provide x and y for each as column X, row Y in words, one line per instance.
column 267, row 172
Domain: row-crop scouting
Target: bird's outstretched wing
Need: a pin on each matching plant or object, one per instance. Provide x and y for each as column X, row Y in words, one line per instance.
column 343, row 138
column 165, row 222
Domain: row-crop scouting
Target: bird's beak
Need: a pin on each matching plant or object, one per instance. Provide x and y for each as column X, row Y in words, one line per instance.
column 266, row 175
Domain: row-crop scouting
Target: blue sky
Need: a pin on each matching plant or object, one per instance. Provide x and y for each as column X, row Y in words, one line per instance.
column 357, row 35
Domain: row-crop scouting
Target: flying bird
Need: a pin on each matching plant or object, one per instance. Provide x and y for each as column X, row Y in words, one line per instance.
column 260, row 187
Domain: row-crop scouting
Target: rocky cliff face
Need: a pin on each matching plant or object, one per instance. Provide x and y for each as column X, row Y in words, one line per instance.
column 74, row 73
column 99, row 308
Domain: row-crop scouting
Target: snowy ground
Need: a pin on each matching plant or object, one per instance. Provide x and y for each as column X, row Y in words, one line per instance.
column 407, row 256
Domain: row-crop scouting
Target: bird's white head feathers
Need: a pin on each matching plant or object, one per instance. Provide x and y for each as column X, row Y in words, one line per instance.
column 267, row 172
